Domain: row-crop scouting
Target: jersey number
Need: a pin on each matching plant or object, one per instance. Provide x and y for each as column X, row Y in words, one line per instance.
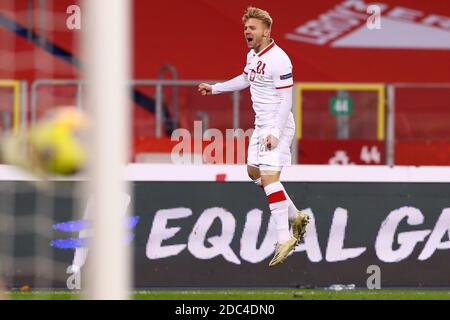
column 252, row 75
column 260, row 68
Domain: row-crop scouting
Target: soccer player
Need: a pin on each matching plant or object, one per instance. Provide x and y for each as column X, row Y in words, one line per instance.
column 268, row 73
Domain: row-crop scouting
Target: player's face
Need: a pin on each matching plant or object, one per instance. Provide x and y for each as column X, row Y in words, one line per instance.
column 255, row 33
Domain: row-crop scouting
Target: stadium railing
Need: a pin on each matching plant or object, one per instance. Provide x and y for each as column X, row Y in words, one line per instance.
column 391, row 117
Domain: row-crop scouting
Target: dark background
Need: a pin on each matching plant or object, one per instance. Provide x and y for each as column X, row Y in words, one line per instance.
column 368, row 205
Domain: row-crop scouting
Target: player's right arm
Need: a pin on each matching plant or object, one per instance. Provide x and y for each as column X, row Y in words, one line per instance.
column 238, row 83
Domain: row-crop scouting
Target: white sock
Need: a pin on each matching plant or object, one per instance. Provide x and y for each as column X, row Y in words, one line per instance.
column 292, row 209
column 278, row 205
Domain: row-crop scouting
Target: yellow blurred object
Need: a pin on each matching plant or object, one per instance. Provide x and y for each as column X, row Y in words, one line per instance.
column 52, row 146
column 57, row 141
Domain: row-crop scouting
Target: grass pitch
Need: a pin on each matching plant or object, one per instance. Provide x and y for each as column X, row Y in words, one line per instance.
column 251, row 294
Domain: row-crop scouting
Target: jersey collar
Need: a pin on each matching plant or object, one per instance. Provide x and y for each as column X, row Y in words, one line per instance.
column 270, row 46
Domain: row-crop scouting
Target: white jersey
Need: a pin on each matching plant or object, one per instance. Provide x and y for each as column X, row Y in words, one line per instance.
column 268, row 71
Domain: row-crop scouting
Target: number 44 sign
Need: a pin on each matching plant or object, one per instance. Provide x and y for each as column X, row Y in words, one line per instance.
column 370, row 156
column 367, row 156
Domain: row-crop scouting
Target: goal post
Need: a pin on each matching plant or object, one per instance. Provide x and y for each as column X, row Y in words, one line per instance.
column 106, row 66
column 14, row 86
column 378, row 89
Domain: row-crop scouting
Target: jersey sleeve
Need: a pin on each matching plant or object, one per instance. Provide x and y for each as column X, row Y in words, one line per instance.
column 236, row 84
column 282, row 75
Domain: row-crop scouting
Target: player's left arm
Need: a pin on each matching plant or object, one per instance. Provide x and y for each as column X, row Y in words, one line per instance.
column 283, row 81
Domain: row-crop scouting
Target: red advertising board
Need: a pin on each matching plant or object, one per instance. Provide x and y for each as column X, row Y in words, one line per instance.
column 422, row 153
column 342, row 152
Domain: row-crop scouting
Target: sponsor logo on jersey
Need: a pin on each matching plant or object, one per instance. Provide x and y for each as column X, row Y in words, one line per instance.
column 286, row 76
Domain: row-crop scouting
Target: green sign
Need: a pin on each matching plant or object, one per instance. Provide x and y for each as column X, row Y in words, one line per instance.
column 341, row 106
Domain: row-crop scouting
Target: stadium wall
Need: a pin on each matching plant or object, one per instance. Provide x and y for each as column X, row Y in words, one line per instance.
column 209, row 226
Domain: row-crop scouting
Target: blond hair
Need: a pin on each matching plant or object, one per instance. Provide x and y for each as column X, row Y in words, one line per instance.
column 259, row 14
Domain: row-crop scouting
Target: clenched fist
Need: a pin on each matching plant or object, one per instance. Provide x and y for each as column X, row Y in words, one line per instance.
column 205, row 89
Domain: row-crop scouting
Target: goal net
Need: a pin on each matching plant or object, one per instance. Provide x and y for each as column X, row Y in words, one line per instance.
column 49, row 223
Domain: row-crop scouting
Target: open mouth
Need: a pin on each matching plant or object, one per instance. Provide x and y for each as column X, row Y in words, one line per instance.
column 249, row 39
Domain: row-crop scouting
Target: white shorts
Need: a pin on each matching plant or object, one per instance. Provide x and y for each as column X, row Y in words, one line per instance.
column 270, row 160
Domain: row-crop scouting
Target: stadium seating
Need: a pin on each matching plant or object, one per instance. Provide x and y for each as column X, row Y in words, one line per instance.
column 189, row 50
